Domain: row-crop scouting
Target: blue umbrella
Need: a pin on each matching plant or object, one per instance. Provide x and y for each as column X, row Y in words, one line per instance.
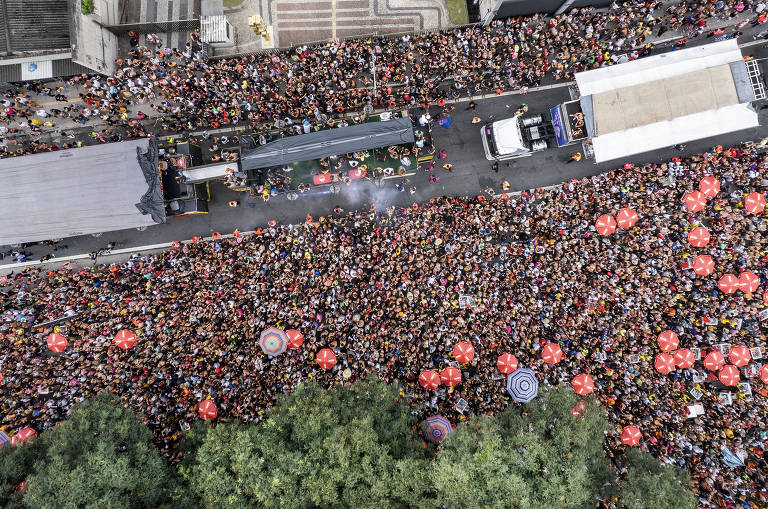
column 522, row 385
column 437, row 428
column 4, row 438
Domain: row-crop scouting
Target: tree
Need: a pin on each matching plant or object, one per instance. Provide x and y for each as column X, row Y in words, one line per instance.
column 650, row 484
column 341, row 447
column 100, row 457
column 538, row 455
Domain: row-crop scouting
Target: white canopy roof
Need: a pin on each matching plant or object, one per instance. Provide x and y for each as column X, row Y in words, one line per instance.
column 664, row 99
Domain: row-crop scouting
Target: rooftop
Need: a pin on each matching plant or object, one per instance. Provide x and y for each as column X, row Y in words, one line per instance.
column 33, row 25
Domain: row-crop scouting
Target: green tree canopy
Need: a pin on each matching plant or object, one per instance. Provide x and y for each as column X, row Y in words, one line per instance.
column 650, row 484
column 100, row 457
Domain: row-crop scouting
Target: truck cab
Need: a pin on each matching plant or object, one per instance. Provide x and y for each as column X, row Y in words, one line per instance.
column 515, row 137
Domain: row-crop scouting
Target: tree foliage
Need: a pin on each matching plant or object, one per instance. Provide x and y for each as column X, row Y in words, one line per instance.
column 651, row 484
column 100, row 457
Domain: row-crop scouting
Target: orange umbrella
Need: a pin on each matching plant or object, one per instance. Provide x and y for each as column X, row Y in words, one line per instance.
column 605, row 224
column 703, row 265
column 125, row 339
column 551, row 353
column 684, row 358
column 631, row 436
column 698, row 237
column 23, row 436
column 695, row 201
column 583, row 384
column 207, row 410
column 429, row 379
column 749, row 282
column 579, row 408
column 450, row 376
column 728, row 283
column 664, row 363
column 56, row 342
column 709, row 187
column 326, row 358
column 764, row 373
column 463, row 352
column 626, row 218
column 295, row 339
column 739, row 356
column 506, row 363
column 729, row 375
column 714, row 360
column 754, row 203
column 668, row 340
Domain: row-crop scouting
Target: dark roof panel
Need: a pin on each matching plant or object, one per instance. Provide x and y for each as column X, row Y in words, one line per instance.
column 34, row 25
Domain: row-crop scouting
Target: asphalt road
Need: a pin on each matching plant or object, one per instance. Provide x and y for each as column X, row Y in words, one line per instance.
column 471, row 175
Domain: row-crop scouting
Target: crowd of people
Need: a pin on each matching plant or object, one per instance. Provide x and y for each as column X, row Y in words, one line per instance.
column 383, row 290
column 177, row 90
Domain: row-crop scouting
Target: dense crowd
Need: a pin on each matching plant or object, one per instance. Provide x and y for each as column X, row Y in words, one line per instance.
column 177, row 90
column 382, row 289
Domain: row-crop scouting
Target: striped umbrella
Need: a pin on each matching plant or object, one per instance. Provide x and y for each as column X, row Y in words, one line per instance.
column 429, row 379
column 631, row 436
column 506, row 363
column 668, row 340
column 664, row 363
column 626, row 218
column 699, row 237
column 703, row 265
column 695, row 201
column 684, row 358
column 56, row 342
column 754, row 203
column 583, row 384
column 207, row 410
column 709, row 187
column 273, row 341
column 450, row 376
column 4, row 438
column 729, row 375
column 23, row 436
column 522, row 385
column 326, row 358
column 125, row 339
column 463, row 352
column 749, row 282
column 739, row 356
column 437, row 428
column 605, row 224
column 714, row 360
column 295, row 339
column 551, row 353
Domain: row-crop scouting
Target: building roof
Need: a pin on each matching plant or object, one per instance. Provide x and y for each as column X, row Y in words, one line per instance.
column 666, row 99
column 33, row 25
column 79, row 191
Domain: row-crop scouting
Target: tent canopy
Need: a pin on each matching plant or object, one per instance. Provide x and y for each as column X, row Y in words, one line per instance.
column 80, row 191
column 329, row 142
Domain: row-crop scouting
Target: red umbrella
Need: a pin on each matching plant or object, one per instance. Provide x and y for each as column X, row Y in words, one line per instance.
column 739, row 355
column 125, row 339
column 463, row 352
column 631, row 436
column 714, row 360
column 506, row 363
column 551, row 353
column 626, row 218
column 709, row 187
column 765, row 296
column 207, row 410
column 295, row 339
column 326, row 358
column 729, row 375
column 56, row 342
column 668, row 340
column 664, row 363
column 23, row 436
column 583, row 384
column 450, row 376
column 605, row 224
column 728, row 283
column 764, row 373
column 684, row 358
column 749, row 282
column 429, row 379
column 754, row 203
column 579, row 408
column 703, row 265
column 698, row 237
column 695, row 201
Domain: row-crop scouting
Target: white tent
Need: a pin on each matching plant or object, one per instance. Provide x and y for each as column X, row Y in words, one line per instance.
column 666, row 99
